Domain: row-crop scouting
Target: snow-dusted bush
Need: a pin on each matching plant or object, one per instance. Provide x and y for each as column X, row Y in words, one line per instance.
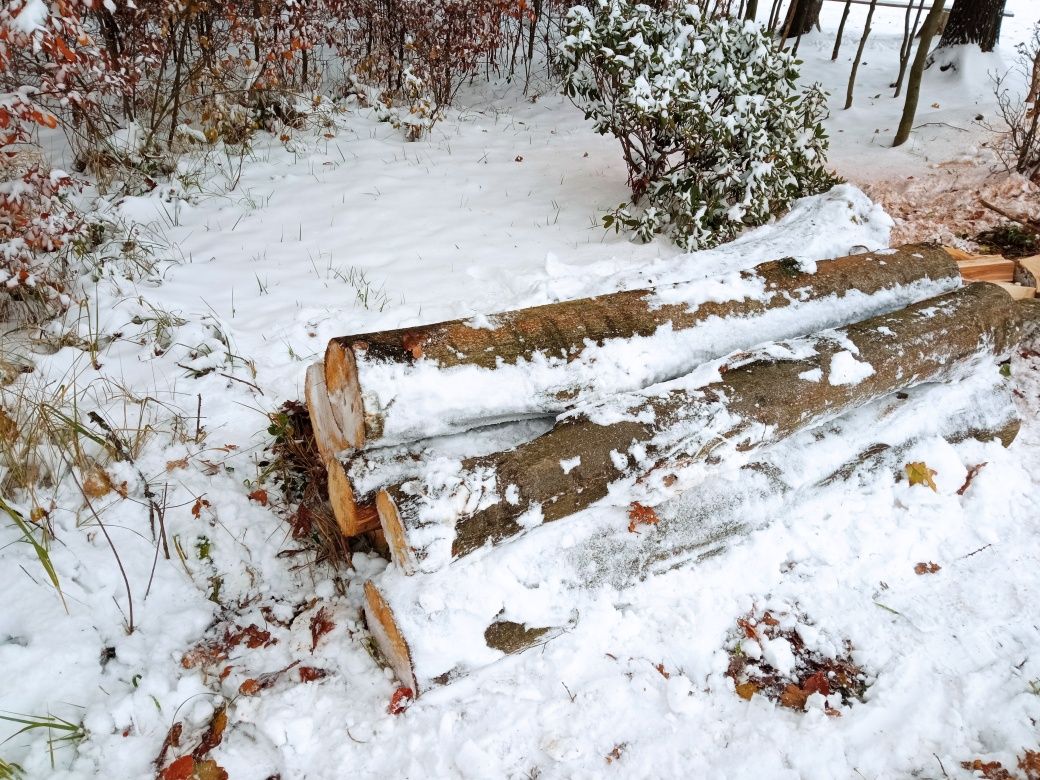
column 714, row 130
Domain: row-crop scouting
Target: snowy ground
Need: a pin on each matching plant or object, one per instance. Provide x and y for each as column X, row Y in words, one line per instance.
column 351, row 229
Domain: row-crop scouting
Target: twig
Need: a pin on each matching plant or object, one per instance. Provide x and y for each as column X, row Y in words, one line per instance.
column 1023, row 221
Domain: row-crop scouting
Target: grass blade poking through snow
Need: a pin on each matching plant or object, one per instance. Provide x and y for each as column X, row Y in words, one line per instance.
column 41, row 551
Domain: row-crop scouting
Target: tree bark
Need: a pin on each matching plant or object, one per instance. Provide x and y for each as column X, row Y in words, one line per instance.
column 645, row 445
column 437, row 628
column 974, row 21
column 841, row 30
column 802, row 16
column 913, row 87
column 413, row 383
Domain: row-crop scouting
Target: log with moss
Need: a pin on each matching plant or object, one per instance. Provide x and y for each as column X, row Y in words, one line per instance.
column 403, row 385
column 434, row 628
column 644, row 446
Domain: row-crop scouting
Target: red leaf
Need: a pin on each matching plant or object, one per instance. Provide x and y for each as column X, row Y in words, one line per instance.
column 260, row 496
column 400, row 701
column 181, row 769
column 321, row 624
column 310, row 674
column 817, row 683
column 641, row 515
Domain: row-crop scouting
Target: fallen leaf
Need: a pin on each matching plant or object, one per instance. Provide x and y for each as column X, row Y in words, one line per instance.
column 641, row 515
column 413, row 343
column 97, row 483
column 793, row 697
column 259, row 496
column 197, row 508
column 213, row 735
column 926, row 568
column 310, row 674
column 1030, row 764
column 662, row 671
column 972, row 473
column 181, row 769
column 747, row 690
column 173, row 739
column 991, row 770
column 817, row 683
column 249, row 687
column 8, row 427
column 173, row 465
column 400, row 701
column 615, row 754
column 519, row 158
column 321, row 624
column 919, row 474
column 210, row 770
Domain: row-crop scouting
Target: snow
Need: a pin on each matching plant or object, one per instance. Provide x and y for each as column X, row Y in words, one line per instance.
column 364, row 232
column 847, row 370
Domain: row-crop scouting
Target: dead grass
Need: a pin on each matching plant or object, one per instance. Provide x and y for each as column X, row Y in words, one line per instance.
column 297, row 470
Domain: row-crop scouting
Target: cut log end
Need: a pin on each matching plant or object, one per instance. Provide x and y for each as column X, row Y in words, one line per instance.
column 354, row 517
column 327, row 434
column 393, row 529
column 344, row 392
column 387, row 636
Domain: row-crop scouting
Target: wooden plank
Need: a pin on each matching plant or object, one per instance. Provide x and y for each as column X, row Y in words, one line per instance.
column 987, row 268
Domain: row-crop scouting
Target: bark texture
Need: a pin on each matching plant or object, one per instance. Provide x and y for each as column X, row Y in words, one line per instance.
column 574, row 351
column 501, row 615
column 802, row 16
column 974, row 21
column 653, row 436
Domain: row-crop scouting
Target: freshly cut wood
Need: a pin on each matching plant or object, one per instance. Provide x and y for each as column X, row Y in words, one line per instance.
column 327, row 435
column 435, row 628
column 647, row 445
column 409, row 384
column 1017, row 291
column 355, row 479
column 987, row 268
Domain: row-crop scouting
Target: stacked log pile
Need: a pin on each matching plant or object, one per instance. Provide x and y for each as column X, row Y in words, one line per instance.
column 450, row 440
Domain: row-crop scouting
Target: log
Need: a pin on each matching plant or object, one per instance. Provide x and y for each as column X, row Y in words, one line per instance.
column 408, row 384
column 987, row 268
column 327, row 435
column 438, row 627
column 645, row 446
column 355, row 479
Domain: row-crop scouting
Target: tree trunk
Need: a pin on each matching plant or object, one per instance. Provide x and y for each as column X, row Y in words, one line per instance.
column 913, row 87
column 642, row 446
column 802, row 16
column 327, row 434
column 435, row 629
column 974, row 21
column 841, row 29
column 907, row 46
column 859, row 55
column 403, row 385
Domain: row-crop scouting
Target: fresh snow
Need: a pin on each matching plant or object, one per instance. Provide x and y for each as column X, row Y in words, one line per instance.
column 264, row 263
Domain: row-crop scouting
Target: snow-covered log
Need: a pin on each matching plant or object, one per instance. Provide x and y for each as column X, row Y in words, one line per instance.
column 437, row 627
column 355, row 478
column 645, row 446
column 408, row 384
